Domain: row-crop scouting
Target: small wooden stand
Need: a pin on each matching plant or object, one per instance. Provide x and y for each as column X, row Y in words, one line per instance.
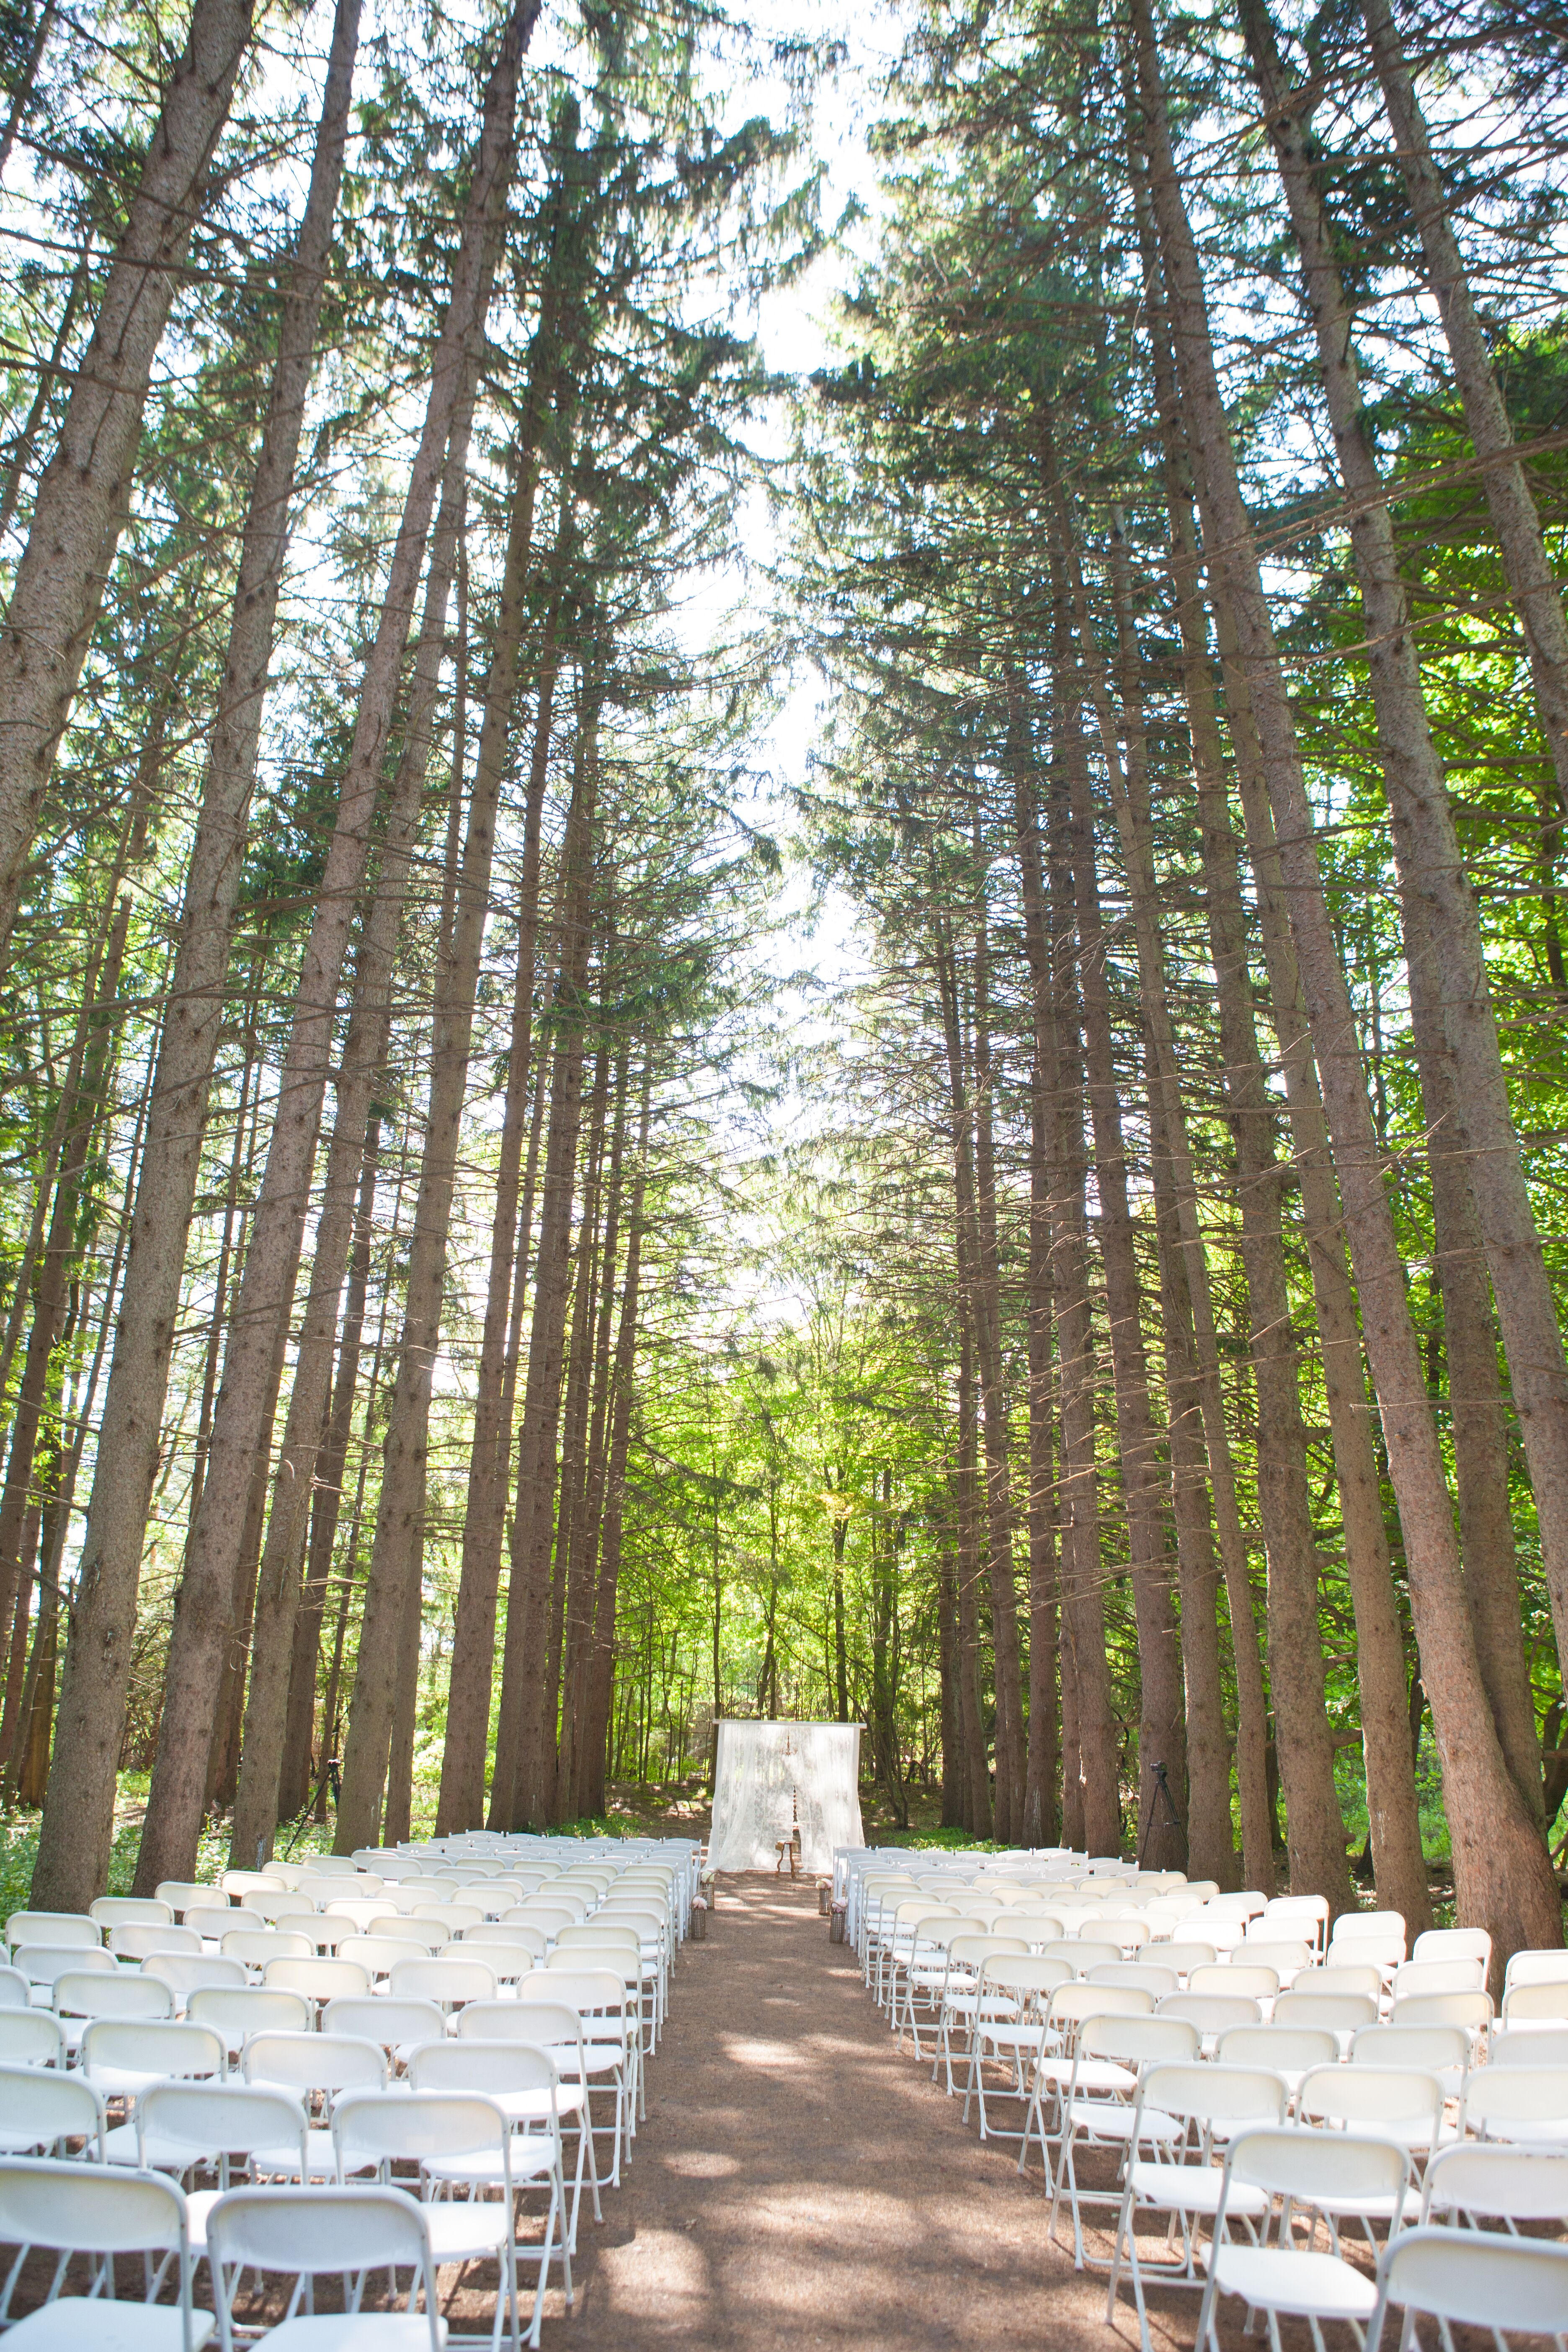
column 789, row 1848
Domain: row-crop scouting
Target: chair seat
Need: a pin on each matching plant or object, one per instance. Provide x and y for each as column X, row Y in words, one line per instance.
column 1194, row 2189
column 1108, row 2122
column 1271, row 2278
column 361, row 2331
column 77, row 2323
column 466, row 2231
column 530, row 2158
column 998, row 2034
column 533, row 2106
column 1097, row 2074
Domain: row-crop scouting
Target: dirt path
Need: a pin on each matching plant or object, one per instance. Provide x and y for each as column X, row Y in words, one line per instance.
column 798, row 2184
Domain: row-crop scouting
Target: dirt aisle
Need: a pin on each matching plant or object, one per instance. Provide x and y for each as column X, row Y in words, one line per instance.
column 796, row 2183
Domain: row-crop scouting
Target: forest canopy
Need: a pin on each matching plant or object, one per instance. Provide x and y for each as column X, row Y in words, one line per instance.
column 782, row 931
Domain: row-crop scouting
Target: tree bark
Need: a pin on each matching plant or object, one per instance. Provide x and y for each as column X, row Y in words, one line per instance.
column 1473, row 1144
column 73, row 533
column 208, row 1592
column 1502, row 1878
column 518, row 1788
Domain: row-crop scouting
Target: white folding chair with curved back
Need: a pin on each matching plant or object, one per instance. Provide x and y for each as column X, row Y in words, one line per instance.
column 1500, row 2284
column 456, row 2138
column 1212, row 2102
column 357, row 2232
column 1313, row 2171
column 554, row 2027
column 1100, row 2107
column 99, row 2212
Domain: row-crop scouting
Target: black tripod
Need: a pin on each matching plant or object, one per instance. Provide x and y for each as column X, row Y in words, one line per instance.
column 1170, row 1819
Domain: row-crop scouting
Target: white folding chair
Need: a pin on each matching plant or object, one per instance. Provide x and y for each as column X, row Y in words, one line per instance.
column 131, row 1910
column 461, row 2139
column 398, row 2025
column 316, row 2069
column 1506, row 2285
column 1210, row 2103
column 1483, row 2182
column 1312, row 2171
column 93, row 2209
column 300, row 2233
column 238, row 2012
column 41, row 2108
column 31, row 2037
column 612, row 2044
column 122, row 2058
column 1400, row 2103
column 1101, row 2108
column 1527, row 2105
column 1290, row 2051
column 1055, row 2056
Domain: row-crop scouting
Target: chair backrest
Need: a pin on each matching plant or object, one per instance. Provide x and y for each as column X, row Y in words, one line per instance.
column 1340, row 2012
column 1504, row 2283
column 43, row 2106
column 31, row 2037
column 379, row 1955
column 179, row 1894
column 56, row 1929
column 1375, row 2098
column 586, row 1989
column 1071, row 2003
column 1343, row 1977
column 1204, row 2094
column 1137, row 2041
column 1473, row 2010
column 95, row 2209
column 1369, row 1923
column 499, row 2066
column 1437, row 1976
column 297, row 2233
column 1454, row 1944
column 1148, row 1979
column 1184, row 1956
column 1087, row 1951
column 301, row 2061
column 447, row 1982
column 1026, row 1975
column 381, row 2018
column 1532, row 2045
column 131, row 1910
column 1283, row 2049
column 510, row 1932
column 130, row 1942
column 419, row 2125
column 1309, row 2165
column 1429, row 2049
column 15, row 1992
column 506, row 1962
column 1537, row 1967
column 596, row 1931
column 1522, row 2005
column 1035, row 1926
column 317, row 1980
column 280, row 1903
column 185, row 1974
column 1514, row 2184
column 1269, row 1952
column 358, row 1909
column 228, row 2118
column 238, row 2011
column 254, row 1947
column 91, row 1995
column 427, row 1935
column 42, row 1963
column 213, row 1921
column 151, row 2046
column 1379, row 1943
column 1248, row 1981
column 1211, row 2013
column 1503, row 2102
column 454, row 1917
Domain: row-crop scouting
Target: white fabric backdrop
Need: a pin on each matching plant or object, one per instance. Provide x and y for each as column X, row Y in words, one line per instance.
column 770, row 1773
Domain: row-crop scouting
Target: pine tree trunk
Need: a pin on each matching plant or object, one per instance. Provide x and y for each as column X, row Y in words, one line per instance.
column 386, row 1669
column 74, row 1839
column 1502, row 1878
column 462, row 1803
column 73, row 534
column 1039, row 1823
column 299, row 1721
column 518, row 1786
column 601, row 1681
column 571, row 1528
column 1163, row 1728
column 977, row 1791
column 208, row 1589
column 1092, row 1812
column 361, row 1070
column 581, row 1628
column 1479, row 1183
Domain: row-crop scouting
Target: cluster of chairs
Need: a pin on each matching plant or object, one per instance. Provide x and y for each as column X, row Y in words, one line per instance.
column 469, row 2016
column 1249, row 2076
